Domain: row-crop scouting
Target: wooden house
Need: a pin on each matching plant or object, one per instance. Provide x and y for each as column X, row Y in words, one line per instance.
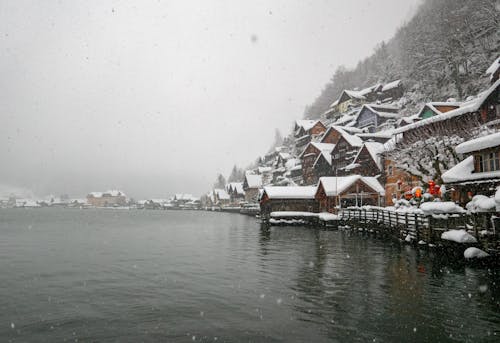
column 344, row 152
column 484, row 109
column 236, row 192
column 288, row 199
column 322, row 165
column 397, row 182
column 391, row 91
column 432, row 109
column 368, row 161
column 251, row 185
column 343, row 191
column 372, row 118
column 479, row 172
column 308, row 157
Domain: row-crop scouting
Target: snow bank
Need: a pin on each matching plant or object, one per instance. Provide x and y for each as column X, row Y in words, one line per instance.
column 459, row 236
column 328, row 216
column 440, row 207
column 475, row 253
column 283, row 214
column 481, row 203
column 480, row 143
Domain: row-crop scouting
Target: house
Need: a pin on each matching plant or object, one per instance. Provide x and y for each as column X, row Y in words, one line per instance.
column 368, row 160
column 308, row 157
column 484, row 109
column 432, row 109
column 372, row 118
column 180, row 199
column 236, row 192
column 306, row 131
column 323, row 165
column 391, row 91
column 344, row 152
column 398, row 182
column 221, row 197
column 343, row 191
column 251, row 185
column 479, row 172
column 299, row 198
column 110, row 198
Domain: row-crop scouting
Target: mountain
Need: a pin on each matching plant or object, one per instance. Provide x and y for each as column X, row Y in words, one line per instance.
column 441, row 53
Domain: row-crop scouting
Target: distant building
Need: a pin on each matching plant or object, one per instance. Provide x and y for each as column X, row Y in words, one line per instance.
column 107, row 199
column 251, row 186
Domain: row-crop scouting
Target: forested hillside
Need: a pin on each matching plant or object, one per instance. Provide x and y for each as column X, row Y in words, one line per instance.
column 441, row 53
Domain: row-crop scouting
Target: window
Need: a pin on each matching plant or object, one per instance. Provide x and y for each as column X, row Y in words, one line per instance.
column 389, row 170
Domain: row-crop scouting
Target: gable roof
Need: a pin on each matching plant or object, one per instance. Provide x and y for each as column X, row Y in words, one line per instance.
column 375, row 150
column 351, row 139
column 320, row 146
column 305, row 124
column 336, row 185
column 326, row 155
column 480, row 143
column 391, row 85
column 253, row 180
column 466, row 107
column 294, row 192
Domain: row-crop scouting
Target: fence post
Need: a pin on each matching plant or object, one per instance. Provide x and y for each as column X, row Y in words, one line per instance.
column 416, row 227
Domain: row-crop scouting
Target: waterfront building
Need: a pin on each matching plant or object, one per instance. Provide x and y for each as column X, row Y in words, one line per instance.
column 109, row 198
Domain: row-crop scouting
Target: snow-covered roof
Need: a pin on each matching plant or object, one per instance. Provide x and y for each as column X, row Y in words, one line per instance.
column 391, row 85
column 380, row 134
column 466, row 107
column 326, row 155
column 285, row 155
column 493, row 68
column 335, row 185
column 253, row 181
column 327, row 147
column 351, row 139
column 375, row 150
column 221, row 194
column 296, row 192
column 480, row 143
column 464, row 171
column 306, row 124
column 263, row 170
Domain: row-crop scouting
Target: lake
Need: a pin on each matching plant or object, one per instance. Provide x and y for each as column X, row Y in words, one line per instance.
column 182, row 276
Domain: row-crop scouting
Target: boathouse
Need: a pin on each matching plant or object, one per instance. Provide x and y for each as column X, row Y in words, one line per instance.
column 298, row 198
column 343, row 191
column 251, row 186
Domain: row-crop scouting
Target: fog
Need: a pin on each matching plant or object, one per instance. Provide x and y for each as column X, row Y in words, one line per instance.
column 157, row 97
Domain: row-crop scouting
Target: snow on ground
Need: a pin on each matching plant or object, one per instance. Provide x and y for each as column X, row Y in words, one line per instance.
column 283, row 214
column 328, row 216
column 436, row 207
column 481, row 203
column 475, row 253
column 459, row 236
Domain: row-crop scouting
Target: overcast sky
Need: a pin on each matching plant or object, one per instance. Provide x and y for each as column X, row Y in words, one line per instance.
column 157, row 97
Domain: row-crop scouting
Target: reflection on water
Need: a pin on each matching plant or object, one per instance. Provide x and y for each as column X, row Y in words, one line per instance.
column 184, row 276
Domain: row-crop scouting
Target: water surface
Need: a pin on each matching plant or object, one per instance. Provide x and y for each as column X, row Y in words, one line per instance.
column 180, row 276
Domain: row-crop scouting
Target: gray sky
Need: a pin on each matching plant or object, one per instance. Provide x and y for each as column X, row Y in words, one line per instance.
column 157, row 97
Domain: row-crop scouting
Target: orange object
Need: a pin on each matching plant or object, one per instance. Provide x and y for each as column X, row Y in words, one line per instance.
column 418, row 193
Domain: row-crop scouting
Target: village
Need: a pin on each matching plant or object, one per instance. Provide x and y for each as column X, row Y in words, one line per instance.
column 365, row 164
column 363, row 159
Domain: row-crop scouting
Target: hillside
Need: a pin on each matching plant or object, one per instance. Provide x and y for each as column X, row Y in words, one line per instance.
column 441, row 53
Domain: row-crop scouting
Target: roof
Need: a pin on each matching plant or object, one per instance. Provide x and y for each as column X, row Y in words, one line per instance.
column 306, row 124
column 296, row 192
column 335, row 185
column 391, row 85
column 380, row 134
column 221, row 194
column 466, row 107
column 375, row 150
column 253, row 181
column 326, row 155
column 351, row 139
column 464, row 171
column 480, row 143
column 320, row 146
column 493, row 68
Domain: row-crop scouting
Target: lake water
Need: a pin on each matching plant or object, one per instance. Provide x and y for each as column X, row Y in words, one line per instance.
column 179, row 276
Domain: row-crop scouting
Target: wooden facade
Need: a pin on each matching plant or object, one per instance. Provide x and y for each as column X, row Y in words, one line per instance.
column 343, row 154
column 397, row 182
column 308, row 157
column 275, row 203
